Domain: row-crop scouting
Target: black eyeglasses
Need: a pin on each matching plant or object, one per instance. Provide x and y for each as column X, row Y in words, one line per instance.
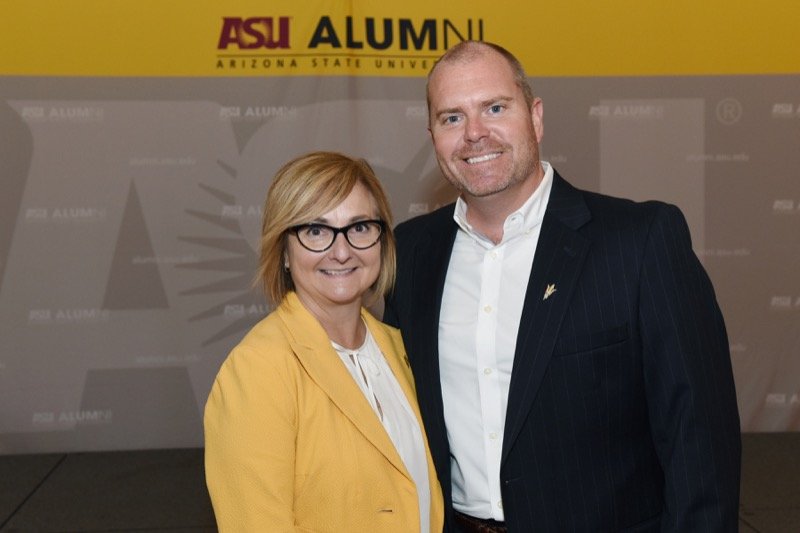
column 318, row 237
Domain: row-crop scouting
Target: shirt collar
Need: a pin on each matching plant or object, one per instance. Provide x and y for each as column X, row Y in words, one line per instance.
column 521, row 221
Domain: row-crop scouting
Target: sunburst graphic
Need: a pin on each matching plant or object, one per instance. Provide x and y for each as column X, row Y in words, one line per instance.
column 246, row 305
column 431, row 188
column 235, row 273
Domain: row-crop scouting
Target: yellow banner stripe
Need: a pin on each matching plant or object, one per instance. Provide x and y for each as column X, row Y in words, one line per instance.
column 572, row 38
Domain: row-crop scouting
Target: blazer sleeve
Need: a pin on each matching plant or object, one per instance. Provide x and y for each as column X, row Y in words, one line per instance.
column 689, row 381
column 250, row 426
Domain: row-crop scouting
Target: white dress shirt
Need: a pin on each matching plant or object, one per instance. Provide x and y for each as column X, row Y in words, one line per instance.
column 481, row 308
column 374, row 377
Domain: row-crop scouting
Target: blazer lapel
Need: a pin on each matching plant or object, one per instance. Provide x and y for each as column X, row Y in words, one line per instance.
column 313, row 349
column 395, row 355
column 397, row 360
column 432, row 256
column 560, row 254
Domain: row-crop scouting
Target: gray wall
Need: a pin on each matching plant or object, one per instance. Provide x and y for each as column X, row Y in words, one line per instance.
column 130, row 211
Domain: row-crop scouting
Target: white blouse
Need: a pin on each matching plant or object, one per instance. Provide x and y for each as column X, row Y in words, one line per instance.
column 374, row 377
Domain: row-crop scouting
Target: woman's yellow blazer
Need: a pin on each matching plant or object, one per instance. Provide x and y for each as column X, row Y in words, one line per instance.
column 292, row 443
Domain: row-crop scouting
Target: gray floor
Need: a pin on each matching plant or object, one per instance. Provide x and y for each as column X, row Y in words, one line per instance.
column 164, row 490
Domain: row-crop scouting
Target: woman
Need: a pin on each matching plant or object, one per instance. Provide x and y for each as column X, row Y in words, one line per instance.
column 312, row 422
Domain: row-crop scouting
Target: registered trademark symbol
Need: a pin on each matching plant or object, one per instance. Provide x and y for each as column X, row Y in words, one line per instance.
column 729, row 111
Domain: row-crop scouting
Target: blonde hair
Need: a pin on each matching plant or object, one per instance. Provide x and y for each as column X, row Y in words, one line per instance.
column 304, row 189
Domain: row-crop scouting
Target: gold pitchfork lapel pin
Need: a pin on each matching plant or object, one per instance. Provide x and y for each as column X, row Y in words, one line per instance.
column 551, row 288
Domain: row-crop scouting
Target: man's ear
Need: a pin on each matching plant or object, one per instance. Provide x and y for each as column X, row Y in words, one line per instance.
column 537, row 114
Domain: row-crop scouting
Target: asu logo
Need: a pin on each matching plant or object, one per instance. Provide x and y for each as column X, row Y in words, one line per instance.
column 254, row 32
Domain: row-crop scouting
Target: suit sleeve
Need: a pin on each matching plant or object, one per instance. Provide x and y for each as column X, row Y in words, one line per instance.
column 391, row 313
column 689, row 380
column 250, row 427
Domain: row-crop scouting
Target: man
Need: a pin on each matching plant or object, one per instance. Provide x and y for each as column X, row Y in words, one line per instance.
column 571, row 361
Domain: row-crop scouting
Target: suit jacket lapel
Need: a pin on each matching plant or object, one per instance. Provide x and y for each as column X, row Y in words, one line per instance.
column 560, row 254
column 432, row 256
column 313, row 349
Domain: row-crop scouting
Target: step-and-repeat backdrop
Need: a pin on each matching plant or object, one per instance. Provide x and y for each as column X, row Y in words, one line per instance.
column 138, row 139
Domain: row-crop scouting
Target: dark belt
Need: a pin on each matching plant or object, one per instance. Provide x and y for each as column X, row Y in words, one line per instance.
column 471, row 524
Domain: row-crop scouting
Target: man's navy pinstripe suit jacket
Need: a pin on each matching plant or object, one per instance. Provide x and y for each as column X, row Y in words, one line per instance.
column 622, row 411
